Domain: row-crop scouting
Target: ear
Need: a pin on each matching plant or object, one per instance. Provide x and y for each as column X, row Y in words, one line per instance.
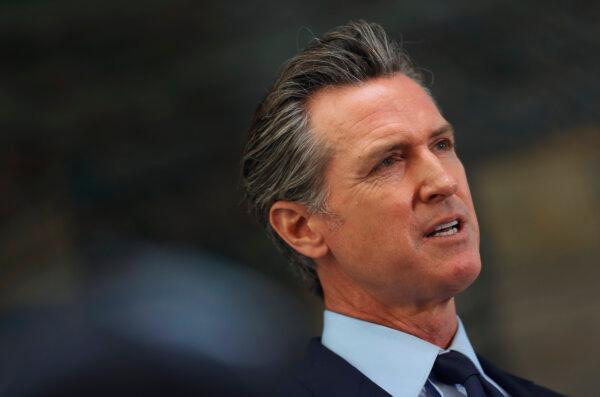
column 298, row 227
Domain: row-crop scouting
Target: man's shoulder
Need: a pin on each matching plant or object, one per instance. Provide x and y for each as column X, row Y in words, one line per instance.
column 324, row 373
column 515, row 385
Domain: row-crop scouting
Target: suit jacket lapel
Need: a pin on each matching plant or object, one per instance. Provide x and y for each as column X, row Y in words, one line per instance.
column 327, row 374
column 508, row 382
column 515, row 386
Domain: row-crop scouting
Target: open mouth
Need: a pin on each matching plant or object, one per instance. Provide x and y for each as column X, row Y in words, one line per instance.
column 446, row 229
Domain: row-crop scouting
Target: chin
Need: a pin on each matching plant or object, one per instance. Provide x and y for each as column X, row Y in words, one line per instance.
column 462, row 275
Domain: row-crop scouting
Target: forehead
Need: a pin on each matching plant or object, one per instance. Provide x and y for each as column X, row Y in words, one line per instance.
column 376, row 109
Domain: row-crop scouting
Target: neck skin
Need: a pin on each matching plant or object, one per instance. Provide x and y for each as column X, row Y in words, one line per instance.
column 433, row 321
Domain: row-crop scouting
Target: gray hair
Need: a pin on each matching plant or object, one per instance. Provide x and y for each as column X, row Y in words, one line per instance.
column 283, row 159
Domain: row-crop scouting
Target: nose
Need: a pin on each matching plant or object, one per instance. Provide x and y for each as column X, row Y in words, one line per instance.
column 437, row 182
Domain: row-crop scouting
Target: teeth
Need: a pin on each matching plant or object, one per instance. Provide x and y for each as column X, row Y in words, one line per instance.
column 446, row 225
column 446, row 233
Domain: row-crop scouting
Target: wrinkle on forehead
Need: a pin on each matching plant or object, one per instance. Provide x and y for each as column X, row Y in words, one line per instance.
column 352, row 111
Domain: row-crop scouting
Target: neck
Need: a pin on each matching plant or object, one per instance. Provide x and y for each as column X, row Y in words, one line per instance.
column 433, row 320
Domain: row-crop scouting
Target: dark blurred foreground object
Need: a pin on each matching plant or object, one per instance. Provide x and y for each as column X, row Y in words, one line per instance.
column 167, row 323
column 58, row 356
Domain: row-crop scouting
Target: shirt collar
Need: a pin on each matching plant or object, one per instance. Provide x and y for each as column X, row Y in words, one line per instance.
column 397, row 362
column 461, row 344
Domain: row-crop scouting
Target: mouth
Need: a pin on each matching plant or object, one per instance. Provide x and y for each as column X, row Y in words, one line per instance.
column 447, row 228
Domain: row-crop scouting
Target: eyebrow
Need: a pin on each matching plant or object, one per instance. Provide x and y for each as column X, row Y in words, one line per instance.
column 377, row 152
column 445, row 129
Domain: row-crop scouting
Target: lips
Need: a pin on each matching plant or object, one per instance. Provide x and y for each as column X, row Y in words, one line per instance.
column 446, row 227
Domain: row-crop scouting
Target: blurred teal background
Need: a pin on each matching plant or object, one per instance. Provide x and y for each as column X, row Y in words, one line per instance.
column 122, row 125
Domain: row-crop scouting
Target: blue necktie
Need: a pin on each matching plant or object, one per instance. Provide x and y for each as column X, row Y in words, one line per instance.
column 456, row 368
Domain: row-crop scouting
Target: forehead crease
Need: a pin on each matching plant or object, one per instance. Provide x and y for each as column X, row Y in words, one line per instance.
column 369, row 125
column 393, row 137
column 375, row 118
column 343, row 114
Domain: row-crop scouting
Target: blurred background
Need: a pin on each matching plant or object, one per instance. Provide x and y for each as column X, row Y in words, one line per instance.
column 126, row 261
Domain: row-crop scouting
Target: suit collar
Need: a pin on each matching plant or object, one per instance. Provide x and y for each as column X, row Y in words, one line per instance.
column 330, row 375
column 516, row 387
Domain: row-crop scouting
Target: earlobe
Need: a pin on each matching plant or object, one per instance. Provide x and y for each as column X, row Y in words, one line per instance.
column 290, row 221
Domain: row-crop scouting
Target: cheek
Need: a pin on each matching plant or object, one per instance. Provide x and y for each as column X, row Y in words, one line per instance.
column 376, row 224
column 373, row 242
column 468, row 201
column 464, row 191
column 384, row 225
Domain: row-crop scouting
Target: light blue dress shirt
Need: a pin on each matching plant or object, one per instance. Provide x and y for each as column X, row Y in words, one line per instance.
column 397, row 362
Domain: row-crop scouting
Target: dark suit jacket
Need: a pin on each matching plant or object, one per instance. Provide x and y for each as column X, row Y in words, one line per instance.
column 324, row 373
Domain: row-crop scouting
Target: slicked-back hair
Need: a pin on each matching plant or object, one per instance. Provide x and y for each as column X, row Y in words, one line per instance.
column 283, row 159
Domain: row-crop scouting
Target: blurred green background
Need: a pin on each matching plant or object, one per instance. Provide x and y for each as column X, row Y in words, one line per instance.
column 122, row 124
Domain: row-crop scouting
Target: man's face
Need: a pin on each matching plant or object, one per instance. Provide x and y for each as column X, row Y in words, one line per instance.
column 394, row 180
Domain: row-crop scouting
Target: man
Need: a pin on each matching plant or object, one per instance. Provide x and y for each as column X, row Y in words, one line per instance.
column 352, row 170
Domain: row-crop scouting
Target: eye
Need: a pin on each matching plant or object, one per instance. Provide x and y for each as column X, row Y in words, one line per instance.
column 387, row 162
column 444, row 145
